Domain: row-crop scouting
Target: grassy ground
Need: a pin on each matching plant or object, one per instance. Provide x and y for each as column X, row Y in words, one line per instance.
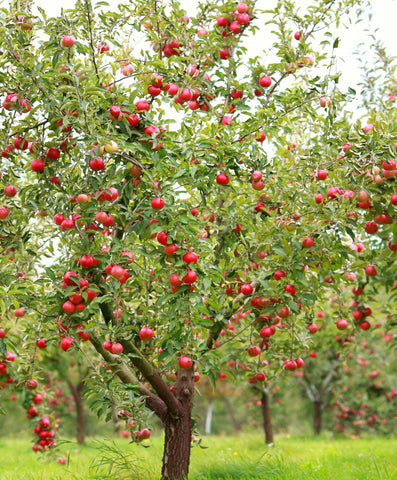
column 232, row 458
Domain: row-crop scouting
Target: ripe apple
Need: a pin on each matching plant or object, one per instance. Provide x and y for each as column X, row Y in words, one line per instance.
column 322, row 174
column 370, row 270
column 86, row 261
column 170, row 249
column 371, row 227
column 37, row 165
column 116, row 348
column 146, row 334
column 31, row 384
column 190, row 257
column 246, row 289
column 10, row 191
column 341, row 324
column 37, row 399
column 297, row 35
column 284, row 312
column 117, row 271
column 278, row 274
column 290, row 289
column 66, row 343
column 190, row 277
column 299, row 362
column 41, row 343
column 19, row 312
column 127, row 70
column 307, row 242
column 313, row 328
column 144, row 434
column 158, row 203
column 97, row 164
column 175, row 280
column 265, row 81
column 53, row 153
column 68, row 41
column 185, row 362
column 4, row 212
column 290, row 365
column 254, row 351
column 222, row 179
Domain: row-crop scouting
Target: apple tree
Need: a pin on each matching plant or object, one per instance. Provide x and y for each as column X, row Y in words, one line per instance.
column 161, row 186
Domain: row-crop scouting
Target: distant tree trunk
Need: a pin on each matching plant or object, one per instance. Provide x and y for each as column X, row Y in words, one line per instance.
column 267, row 419
column 236, row 423
column 318, row 411
column 208, row 418
column 78, row 401
column 115, row 419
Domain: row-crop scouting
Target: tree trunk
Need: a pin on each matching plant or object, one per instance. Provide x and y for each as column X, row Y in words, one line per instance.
column 318, row 410
column 176, row 457
column 78, row 401
column 267, row 419
column 115, row 419
column 208, row 418
column 236, row 423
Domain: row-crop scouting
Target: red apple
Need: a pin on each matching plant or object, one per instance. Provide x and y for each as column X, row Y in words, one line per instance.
column 68, row 41
column 185, row 362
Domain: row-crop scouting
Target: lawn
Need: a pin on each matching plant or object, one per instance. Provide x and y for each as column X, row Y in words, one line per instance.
column 226, row 458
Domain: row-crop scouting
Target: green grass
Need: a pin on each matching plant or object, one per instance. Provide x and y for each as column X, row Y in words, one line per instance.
column 226, row 458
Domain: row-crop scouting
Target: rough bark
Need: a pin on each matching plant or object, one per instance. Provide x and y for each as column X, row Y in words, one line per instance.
column 267, row 419
column 176, row 457
column 318, row 411
column 80, row 419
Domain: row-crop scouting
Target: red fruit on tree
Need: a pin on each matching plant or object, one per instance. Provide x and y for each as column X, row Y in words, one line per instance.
column 254, row 351
column 86, row 261
column 265, row 81
column 10, row 191
column 284, row 312
column 175, row 281
column 341, row 324
column 190, row 257
column 144, row 434
column 190, row 277
column 31, row 384
column 158, row 203
column 97, row 164
column 222, row 179
column 278, row 274
column 146, row 334
column 4, row 212
column 68, row 307
column 66, row 343
column 370, row 270
column 41, row 343
column 313, row 328
column 37, row 165
column 307, row 242
column 68, row 41
column 53, row 153
column 116, row 348
column 185, row 362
